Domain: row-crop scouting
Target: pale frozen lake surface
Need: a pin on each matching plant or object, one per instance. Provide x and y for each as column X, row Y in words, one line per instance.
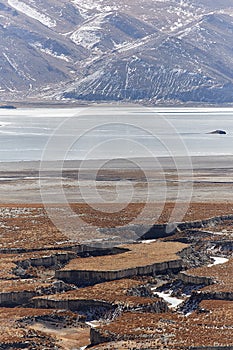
column 113, row 132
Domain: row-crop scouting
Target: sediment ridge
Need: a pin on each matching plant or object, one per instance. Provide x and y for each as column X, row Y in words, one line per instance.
column 140, row 259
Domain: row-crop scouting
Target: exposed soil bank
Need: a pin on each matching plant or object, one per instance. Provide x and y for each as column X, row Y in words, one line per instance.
column 160, row 231
column 92, row 277
column 139, row 259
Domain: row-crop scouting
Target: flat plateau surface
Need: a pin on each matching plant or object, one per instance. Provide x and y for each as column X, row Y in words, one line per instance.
column 39, row 311
column 138, row 255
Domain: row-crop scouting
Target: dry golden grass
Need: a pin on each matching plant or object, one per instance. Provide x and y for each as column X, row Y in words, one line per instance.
column 34, row 229
column 114, row 292
column 12, row 331
column 8, row 262
column 221, row 274
column 30, row 285
column 199, row 329
column 136, row 256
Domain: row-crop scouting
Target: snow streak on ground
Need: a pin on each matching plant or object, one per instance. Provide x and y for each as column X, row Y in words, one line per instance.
column 93, row 5
column 174, row 302
column 218, row 260
column 32, row 12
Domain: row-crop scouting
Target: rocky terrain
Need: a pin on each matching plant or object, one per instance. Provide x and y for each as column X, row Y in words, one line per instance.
column 165, row 293
column 171, row 51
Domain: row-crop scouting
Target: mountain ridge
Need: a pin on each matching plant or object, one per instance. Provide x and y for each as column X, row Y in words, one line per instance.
column 151, row 52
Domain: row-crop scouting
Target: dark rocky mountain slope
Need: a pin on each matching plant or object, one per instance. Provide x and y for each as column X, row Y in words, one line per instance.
column 171, row 51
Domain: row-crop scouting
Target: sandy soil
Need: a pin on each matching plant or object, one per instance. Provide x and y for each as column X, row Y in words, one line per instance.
column 67, row 338
column 209, row 179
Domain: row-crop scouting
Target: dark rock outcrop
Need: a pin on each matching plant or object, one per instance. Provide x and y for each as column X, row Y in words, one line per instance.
column 7, row 107
column 219, row 132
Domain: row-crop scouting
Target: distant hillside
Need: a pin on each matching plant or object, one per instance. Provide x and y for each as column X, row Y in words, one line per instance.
column 151, row 51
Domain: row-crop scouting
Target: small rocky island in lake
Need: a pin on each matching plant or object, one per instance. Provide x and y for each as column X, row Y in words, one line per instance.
column 7, row 107
column 219, row 132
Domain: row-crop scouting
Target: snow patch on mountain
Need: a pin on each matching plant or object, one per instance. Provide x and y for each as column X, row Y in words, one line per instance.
column 94, row 5
column 50, row 52
column 86, row 7
column 32, row 12
column 89, row 34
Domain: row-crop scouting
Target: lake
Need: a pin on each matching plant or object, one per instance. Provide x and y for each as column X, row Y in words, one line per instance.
column 113, row 132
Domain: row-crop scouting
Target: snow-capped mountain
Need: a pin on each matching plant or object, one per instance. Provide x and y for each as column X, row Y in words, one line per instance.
column 155, row 51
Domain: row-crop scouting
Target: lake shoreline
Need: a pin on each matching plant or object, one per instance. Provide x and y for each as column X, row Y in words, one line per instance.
column 204, row 179
column 198, row 162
